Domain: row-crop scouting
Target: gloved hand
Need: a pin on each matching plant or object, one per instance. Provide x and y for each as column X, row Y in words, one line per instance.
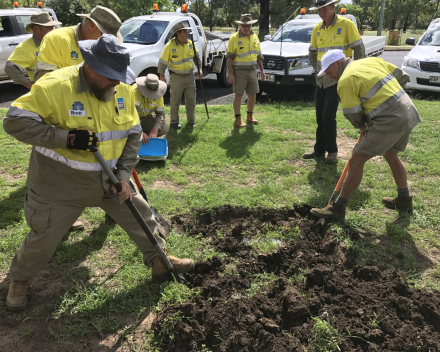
column 82, row 139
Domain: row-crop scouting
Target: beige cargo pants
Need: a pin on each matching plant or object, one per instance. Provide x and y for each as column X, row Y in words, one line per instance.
column 178, row 85
column 49, row 222
column 148, row 122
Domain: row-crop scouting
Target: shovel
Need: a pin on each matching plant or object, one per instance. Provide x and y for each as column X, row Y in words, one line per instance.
column 162, row 226
column 321, row 222
column 179, row 277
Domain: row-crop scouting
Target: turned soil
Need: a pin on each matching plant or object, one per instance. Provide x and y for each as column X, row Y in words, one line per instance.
column 313, row 276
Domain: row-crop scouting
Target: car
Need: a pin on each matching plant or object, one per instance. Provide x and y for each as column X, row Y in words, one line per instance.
column 13, row 23
column 422, row 63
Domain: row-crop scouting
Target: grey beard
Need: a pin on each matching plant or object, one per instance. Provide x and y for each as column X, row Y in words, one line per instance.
column 106, row 95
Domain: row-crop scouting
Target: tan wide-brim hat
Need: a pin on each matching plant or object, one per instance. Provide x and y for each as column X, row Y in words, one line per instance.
column 151, row 86
column 178, row 27
column 323, row 3
column 107, row 21
column 246, row 19
column 42, row 19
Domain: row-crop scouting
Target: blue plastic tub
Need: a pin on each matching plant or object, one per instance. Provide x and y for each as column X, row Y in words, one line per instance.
column 155, row 149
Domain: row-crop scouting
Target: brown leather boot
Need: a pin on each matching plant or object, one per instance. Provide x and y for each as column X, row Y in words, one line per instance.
column 77, row 226
column 405, row 204
column 250, row 118
column 17, row 295
column 238, row 121
column 332, row 211
column 159, row 270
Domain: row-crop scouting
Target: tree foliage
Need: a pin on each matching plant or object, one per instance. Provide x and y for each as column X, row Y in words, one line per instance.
column 66, row 10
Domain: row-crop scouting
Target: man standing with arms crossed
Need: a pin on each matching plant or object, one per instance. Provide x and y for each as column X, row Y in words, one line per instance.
column 24, row 57
column 373, row 100
column 178, row 57
column 243, row 56
column 334, row 32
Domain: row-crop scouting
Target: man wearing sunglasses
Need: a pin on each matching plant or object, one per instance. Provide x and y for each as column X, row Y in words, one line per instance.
column 334, row 32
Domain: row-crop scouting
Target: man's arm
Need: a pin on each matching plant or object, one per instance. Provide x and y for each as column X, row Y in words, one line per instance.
column 313, row 50
column 17, row 74
column 401, row 76
column 129, row 157
column 356, row 42
column 351, row 103
column 163, row 62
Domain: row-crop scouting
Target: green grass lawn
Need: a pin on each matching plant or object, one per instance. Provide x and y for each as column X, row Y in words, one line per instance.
column 98, row 285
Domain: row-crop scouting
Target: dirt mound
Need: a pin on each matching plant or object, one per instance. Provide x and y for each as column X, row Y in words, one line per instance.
column 307, row 295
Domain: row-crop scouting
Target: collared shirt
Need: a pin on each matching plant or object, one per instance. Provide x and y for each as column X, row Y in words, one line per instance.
column 62, row 101
column 147, row 107
column 23, row 59
column 340, row 34
column 59, row 49
column 371, row 92
column 245, row 52
column 178, row 58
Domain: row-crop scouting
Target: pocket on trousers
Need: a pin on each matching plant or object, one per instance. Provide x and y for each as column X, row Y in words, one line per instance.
column 36, row 214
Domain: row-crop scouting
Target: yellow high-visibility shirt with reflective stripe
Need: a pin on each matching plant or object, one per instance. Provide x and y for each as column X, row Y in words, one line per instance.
column 59, row 49
column 25, row 55
column 342, row 35
column 243, row 51
column 369, row 91
column 179, row 58
column 55, row 99
column 145, row 106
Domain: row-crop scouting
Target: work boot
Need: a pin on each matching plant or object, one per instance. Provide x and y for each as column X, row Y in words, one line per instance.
column 159, row 270
column 77, row 226
column 176, row 126
column 332, row 211
column 331, row 158
column 238, row 122
column 250, row 118
column 312, row 155
column 400, row 203
column 192, row 124
column 17, row 295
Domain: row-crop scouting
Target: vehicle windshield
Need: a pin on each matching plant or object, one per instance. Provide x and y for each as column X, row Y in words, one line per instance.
column 142, row 31
column 294, row 33
column 431, row 37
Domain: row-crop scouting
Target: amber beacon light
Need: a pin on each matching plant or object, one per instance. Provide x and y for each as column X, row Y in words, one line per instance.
column 184, row 8
column 303, row 11
column 40, row 5
column 343, row 11
column 155, row 8
column 16, row 5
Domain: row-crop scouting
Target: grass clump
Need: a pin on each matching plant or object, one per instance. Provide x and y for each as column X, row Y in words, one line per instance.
column 325, row 337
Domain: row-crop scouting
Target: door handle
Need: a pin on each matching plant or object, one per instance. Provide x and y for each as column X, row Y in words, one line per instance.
column 13, row 44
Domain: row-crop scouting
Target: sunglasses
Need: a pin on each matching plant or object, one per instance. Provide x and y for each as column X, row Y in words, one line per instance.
column 246, row 26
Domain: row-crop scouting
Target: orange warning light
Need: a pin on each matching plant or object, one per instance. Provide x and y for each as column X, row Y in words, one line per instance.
column 40, row 4
column 155, row 7
column 184, row 8
column 343, row 11
column 303, row 11
column 16, row 4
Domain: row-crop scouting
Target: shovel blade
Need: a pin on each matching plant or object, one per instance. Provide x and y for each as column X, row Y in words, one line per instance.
column 163, row 227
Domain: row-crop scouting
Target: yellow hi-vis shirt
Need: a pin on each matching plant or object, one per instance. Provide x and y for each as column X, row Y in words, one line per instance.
column 244, row 52
column 145, row 106
column 341, row 34
column 25, row 56
column 371, row 94
column 58, row 100
column 59, row 49
column 178, row 58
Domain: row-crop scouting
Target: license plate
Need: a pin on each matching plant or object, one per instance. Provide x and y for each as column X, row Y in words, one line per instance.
column 434, row 79
column 268, row 78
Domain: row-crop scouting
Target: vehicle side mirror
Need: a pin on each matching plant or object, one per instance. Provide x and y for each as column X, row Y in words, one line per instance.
column 267, row 37
column 411, row 41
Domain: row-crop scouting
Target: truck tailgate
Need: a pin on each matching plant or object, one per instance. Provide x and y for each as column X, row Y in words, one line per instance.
column 374, row 45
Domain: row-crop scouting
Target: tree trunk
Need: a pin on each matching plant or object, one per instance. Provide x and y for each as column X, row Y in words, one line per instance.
column 264, row 18
column 393, row 23
column 405, row 24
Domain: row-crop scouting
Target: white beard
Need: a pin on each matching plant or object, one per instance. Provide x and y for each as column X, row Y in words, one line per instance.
column 108, row 95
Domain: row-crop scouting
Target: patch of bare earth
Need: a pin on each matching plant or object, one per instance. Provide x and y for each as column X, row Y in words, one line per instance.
column 165, row 184
column 12, row 178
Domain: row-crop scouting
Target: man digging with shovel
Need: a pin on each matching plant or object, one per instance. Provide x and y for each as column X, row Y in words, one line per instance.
column 373, row 100
column 68, row 113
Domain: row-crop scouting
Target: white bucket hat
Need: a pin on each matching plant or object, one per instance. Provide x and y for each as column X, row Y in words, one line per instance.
column 330, row 57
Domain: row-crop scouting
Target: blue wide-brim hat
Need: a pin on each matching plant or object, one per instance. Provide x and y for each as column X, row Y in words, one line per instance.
column 107, row 58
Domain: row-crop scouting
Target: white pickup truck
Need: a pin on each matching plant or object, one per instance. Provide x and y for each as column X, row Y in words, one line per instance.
column 286, row 62
column 12, row 31
column 145, row 38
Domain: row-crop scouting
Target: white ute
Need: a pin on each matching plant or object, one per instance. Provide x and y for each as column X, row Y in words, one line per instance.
column 145, row 38
column 12, row 30
column 287, row 63
column 423, row 62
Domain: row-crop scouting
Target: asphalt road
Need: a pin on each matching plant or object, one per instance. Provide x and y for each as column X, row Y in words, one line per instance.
column 213, row 93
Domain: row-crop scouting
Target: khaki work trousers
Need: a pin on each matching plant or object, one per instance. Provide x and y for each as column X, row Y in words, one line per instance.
column 148, row 122
column 182, row 84
column 49, row 221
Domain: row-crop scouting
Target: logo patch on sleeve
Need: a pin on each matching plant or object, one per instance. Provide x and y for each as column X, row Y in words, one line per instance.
column 174, row 50
column 239, row 43
column 339, row 31
column 121, row 105
column 77, row 109
column 74, row 55
column 190, row 46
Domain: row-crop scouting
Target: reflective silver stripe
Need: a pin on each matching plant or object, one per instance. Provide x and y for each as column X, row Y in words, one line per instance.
column 354, row 110
column 182, row 61
column 356, row 43
column 377, row 87
column 74, row 164
column 250, row 52
column 16, row 111
column 163, row 62
column 243, row 64
column 30, row 69
column 386, row 103
column 186, row 72
column 312, row 48
column 160, row 109
column 44, row 66
column 324, row 50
